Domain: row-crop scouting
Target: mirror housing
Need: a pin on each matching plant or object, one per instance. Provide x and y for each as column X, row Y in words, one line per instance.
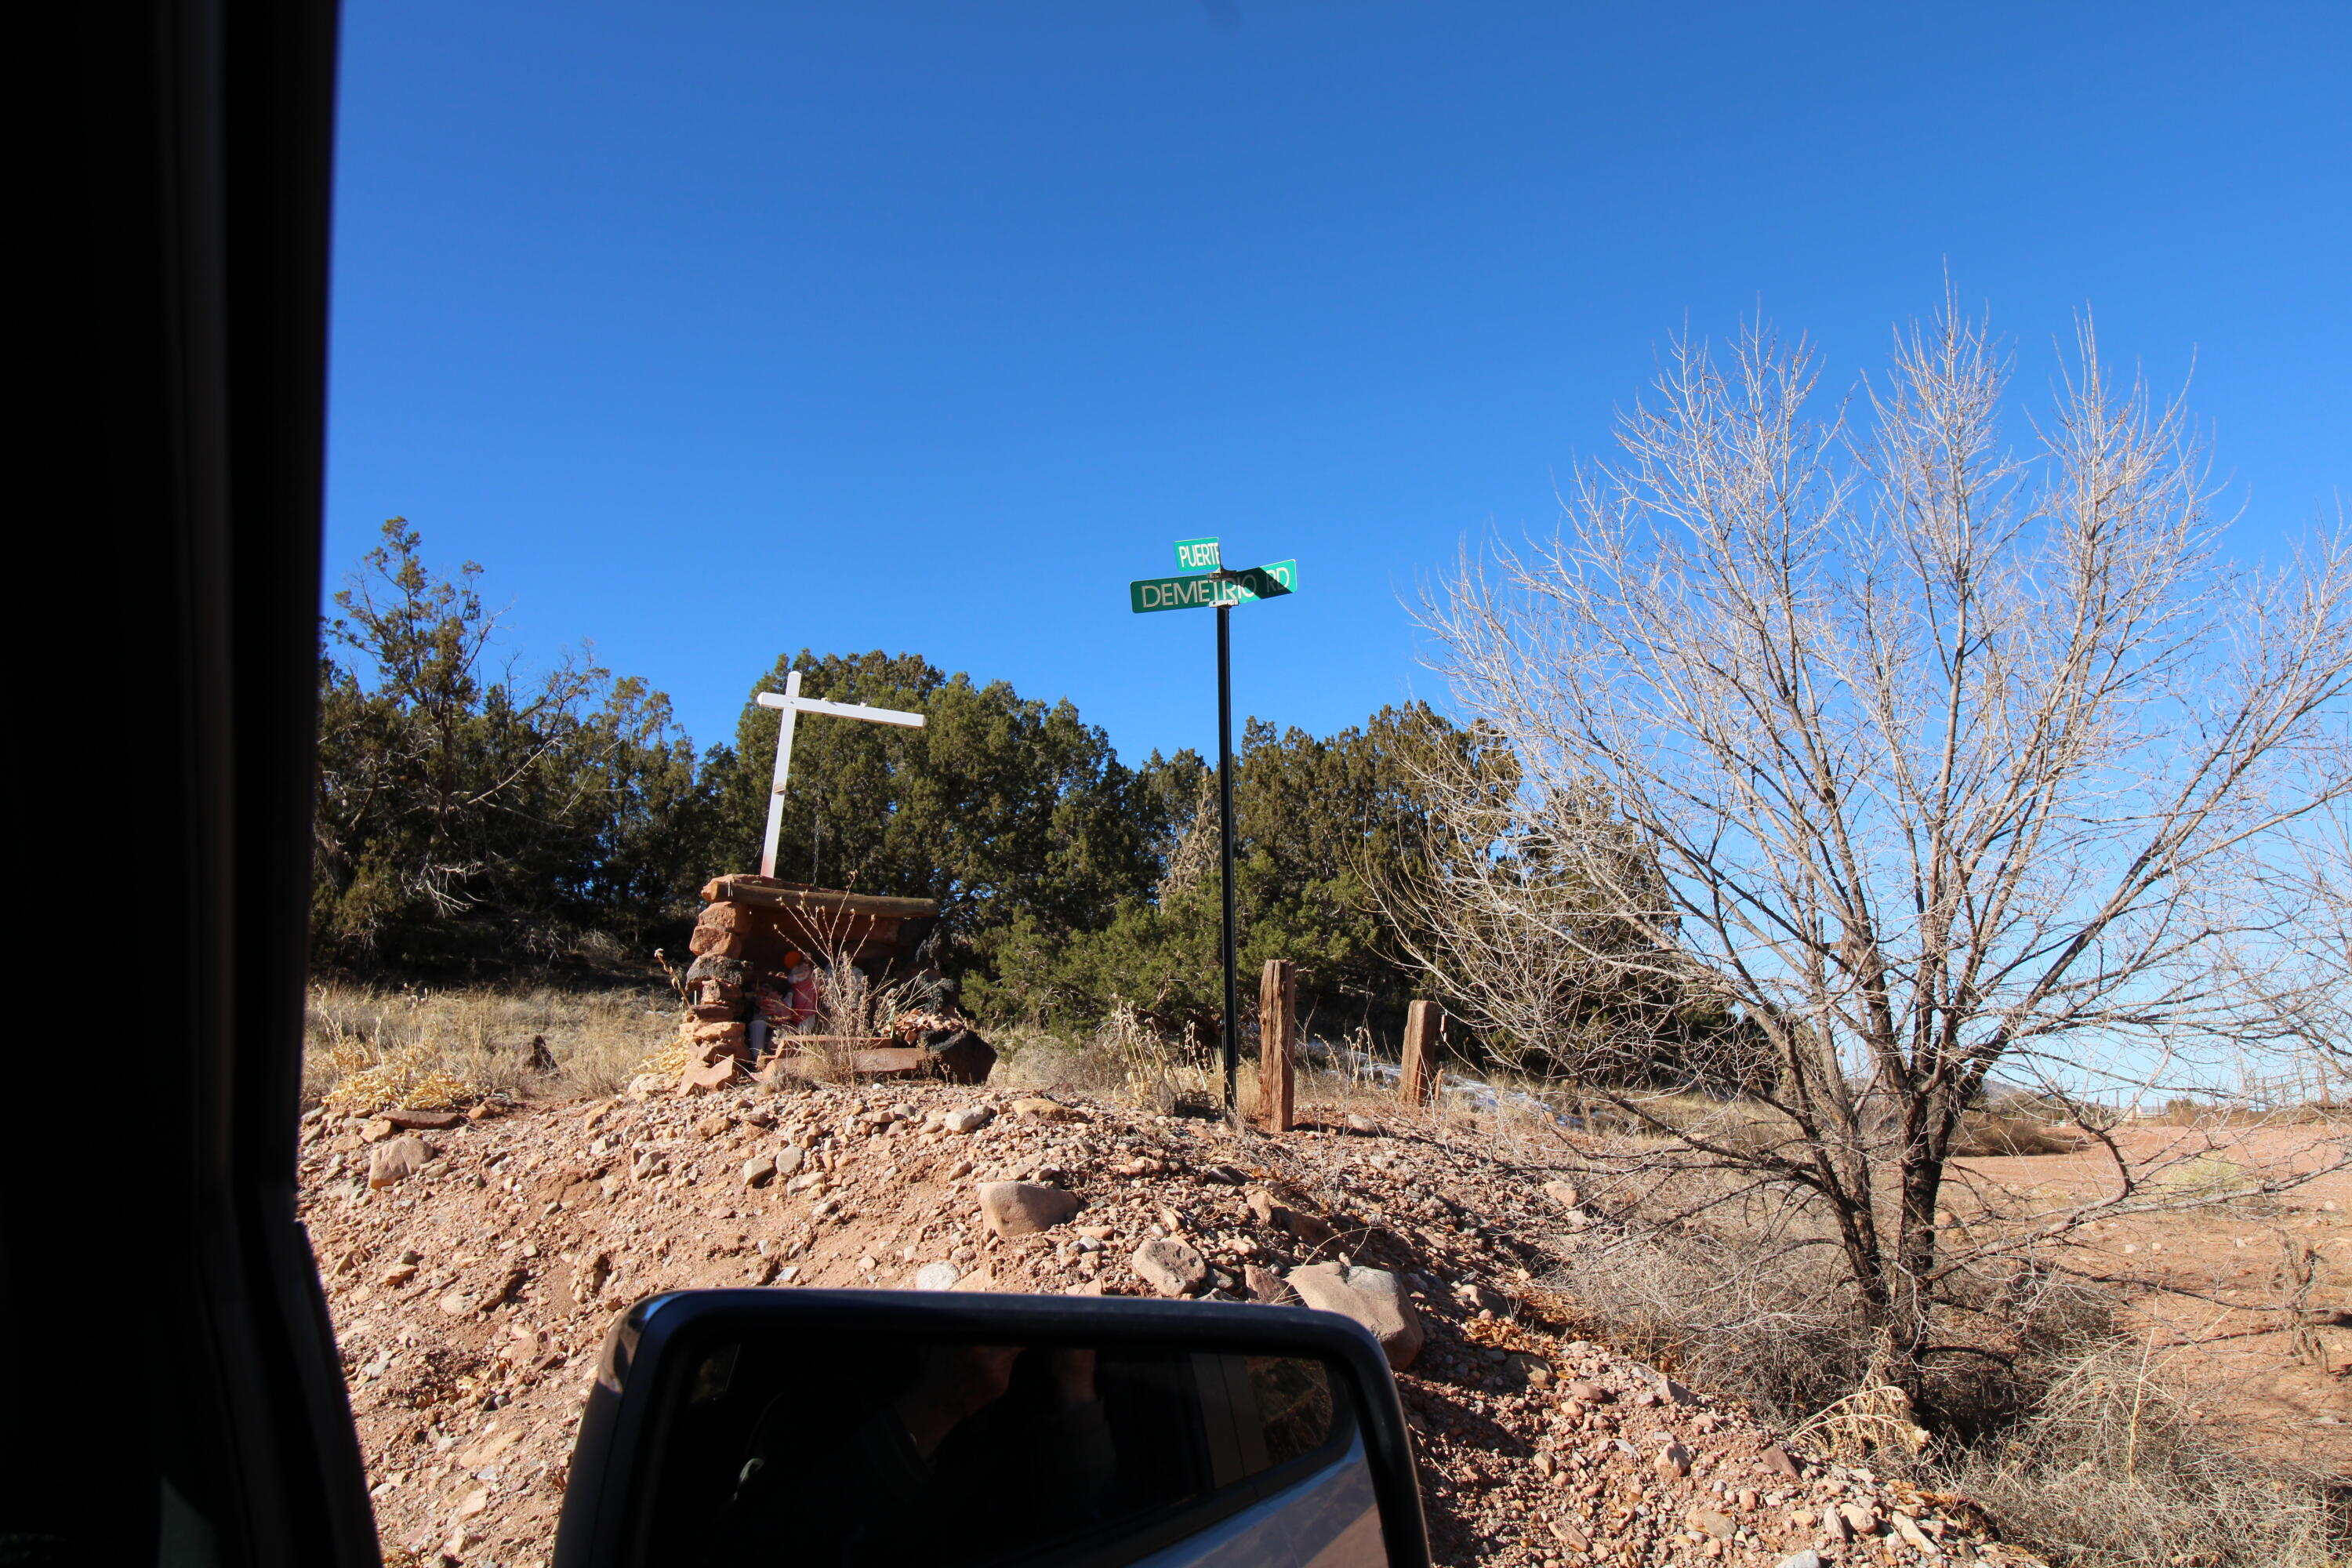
column 657, row 1357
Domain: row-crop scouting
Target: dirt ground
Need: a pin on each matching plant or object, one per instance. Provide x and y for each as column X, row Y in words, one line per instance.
column 471, row 1293
column 2220, row 1288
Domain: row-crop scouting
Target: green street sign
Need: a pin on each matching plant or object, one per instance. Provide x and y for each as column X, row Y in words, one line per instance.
column 1197, row 555
column 1210, row 589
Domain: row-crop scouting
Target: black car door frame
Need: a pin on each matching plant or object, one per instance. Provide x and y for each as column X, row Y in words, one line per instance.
column 173, row 1393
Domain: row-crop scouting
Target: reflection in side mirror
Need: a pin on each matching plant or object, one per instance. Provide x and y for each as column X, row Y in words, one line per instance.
column 732, row 1428
column 873, row 1449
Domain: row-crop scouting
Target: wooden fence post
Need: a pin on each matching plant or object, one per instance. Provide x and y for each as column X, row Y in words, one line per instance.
column 1277, row 1013
column 1418, row 1080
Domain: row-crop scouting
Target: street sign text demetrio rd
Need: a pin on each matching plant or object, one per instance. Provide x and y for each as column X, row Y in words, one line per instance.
column 1204, row 592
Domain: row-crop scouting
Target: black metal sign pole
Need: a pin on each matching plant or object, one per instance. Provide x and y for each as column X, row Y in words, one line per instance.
column 1225, row 848
column 1221, row 587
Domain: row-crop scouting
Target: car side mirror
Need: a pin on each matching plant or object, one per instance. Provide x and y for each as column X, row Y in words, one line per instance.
column 871, row 1428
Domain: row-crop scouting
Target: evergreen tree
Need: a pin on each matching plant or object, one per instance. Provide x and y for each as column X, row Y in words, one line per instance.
column 469, row 814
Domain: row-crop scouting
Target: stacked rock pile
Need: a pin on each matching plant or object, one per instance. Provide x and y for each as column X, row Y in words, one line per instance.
column 763, row 951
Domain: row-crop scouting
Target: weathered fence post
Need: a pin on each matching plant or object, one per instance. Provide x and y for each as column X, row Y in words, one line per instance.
column 1418, row 1080
column 1277, row 1010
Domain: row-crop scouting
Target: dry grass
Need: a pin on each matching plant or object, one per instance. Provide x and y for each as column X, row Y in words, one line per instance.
column 2111, row 1468
column 365, row 1048
column 412, row 1076
column 670, row 1060
column 1029, row 1055
column 850, row 1004
column 1761, row 1315
column 2206, row 1178
column 1124, row 1059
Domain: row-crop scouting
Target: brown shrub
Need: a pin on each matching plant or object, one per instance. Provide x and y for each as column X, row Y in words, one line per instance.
column 1988, row 1135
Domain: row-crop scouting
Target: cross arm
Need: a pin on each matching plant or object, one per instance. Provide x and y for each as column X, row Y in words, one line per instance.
column 794, row 705
column 842, row 709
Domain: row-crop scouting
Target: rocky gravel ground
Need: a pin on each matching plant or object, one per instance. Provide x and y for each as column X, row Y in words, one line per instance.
column 472, row 1268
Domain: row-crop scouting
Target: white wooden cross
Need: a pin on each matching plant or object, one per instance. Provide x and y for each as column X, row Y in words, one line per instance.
column 794, row 705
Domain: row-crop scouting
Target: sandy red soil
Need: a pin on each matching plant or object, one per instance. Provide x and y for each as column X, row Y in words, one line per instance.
column 2212, row 1283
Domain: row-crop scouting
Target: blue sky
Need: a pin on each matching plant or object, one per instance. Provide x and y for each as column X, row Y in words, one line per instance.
column 716, row 331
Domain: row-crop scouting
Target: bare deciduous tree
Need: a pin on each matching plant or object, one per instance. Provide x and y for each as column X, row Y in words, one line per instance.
column 1924, row 761
column 2300, row 973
